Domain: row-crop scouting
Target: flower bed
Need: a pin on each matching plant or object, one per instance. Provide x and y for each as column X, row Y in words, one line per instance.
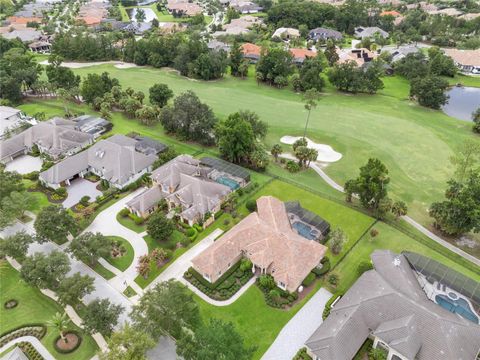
column 225, row 287
column 276, row 297
column 10, row 304
column 36, row 330
column 30, row 351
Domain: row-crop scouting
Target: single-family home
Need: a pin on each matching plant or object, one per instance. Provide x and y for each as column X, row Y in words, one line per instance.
column 359, row 56
column 370, row 32
column 299, row 55
column 286, row 34
column 245, row 6
column 184, row 9
column 323, row 34
column 239, row 26
column 25, row 35
column 148, row 146
column 399, row 52
column 186, row 185
column 468, row 61
column 137, row 28
column 216, row 45
column 446, row 12
column 251, row 52
column 40, row 46
column 113, row 159
column 267, row 238
column 390, row 13
column 56, row 138
column 390, row 306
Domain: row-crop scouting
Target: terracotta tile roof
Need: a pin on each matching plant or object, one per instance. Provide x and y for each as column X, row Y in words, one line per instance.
column 392, row 13
column 464, row 57
column 90, row 20
column 249, row 49
column 358, row 55
column 268, row 240
column 302, row 53
column 23, row 20
column 189, row 9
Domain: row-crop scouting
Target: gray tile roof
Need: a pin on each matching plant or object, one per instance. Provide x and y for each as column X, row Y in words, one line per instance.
column 114, row 157
column 367, row 32
column 389, row 300
column 324, row 34
column 147, row 199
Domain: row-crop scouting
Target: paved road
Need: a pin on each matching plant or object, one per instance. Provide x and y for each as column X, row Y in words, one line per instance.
column 408, row 219
column 297, row 331
column 32, row 340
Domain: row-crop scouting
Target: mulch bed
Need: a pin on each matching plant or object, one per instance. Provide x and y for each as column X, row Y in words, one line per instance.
column 48, row 194
column 72, row 342
column 10, row 304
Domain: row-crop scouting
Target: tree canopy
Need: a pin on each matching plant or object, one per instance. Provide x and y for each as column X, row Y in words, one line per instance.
column 128, row 344
column 45, row 271
column 54, row 223
column 89, row 247
column 101, row 316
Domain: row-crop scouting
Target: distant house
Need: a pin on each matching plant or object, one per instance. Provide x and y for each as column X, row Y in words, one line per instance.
column 25, row 35
column 113, row 159
column 148, row 146
column 286, row 34
column 251, row 52
column 399, row 52
column 216, row 45
column 268, row 240
column 390, row 13
column 369, row 32
column 245, row 6
column 184, row 9
column 186, row 185
column 447, row 12
column 239, row 26
column 92, row 125
column 56, row 138
column 323, row 34
column 359, row 56
column 138, row 28
column 40, row 46
column 468, row 61
column 299, row 55
column 390, row 306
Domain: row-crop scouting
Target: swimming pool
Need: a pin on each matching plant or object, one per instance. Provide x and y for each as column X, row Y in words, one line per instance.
column 304, row 230
column 232, row 184
column 459, row 306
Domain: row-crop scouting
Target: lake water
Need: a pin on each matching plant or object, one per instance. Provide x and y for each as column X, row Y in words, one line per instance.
column 149, row 14
column 462, row 103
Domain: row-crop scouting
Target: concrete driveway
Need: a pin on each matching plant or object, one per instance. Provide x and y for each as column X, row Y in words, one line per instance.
column 78, row 189
column 299, row 328
column 24, row 164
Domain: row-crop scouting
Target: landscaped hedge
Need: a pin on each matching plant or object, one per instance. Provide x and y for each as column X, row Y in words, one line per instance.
column 30, row 351
column 328, row 305
column 324, row 269
column 309, row 279
column 280, row 302
column 302, row 355
column 36, row 330
column 136, row 219
column 225, row 287
column 62, row 351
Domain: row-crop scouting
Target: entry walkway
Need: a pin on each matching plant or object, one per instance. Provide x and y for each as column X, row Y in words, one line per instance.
column 297, row 331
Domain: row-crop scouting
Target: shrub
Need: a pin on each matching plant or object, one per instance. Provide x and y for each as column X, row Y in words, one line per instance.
column 245, row 265
column 84, row 200
column 325, row 267
column 61, row 191
column 333, row 279
column 328, row 305
column 186, row 241
column 251, row 205
column 31, row 176
column 309, row 279
column 190, row 232
column 124, row 212
column 302, row 355
column 364, row 266
column 198, row 227
column 373, row 232
column 136, row 219
column 226, row 222
column 266, row 282
column 292, row 166
column 218, row 214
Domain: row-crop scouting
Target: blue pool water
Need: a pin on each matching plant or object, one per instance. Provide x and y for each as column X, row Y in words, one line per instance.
column 459, row 306
column 232, row 184
column 303, row 230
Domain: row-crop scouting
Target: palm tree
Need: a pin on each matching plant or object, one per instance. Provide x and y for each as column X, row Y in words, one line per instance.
column 302, row 153
column 310, row 98
column 312, row 156
column 399, row 208
column 276, row 151
column 60, row 322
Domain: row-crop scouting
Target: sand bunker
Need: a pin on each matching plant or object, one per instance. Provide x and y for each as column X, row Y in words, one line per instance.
column 325, row 152
column 78, row 65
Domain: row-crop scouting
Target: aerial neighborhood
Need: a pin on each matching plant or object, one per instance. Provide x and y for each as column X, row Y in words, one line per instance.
column 239, row 180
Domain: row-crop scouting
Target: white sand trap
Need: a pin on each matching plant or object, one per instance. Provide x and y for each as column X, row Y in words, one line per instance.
column 325, row 152
column 78, row 65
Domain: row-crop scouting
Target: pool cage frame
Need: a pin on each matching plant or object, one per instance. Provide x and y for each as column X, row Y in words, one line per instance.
column 226, row 167
column 308, row 217
column 435, row 271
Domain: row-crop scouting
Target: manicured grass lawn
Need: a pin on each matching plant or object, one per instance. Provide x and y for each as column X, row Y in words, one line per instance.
column 388, row 238
column 34, row 307
column 122, row 263
column 130, row 224
column 414, row 142
column 129, row 292
column 105, row 273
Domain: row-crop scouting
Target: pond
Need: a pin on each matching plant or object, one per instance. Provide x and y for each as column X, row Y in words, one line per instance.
column 462, row 103
column 149, row 14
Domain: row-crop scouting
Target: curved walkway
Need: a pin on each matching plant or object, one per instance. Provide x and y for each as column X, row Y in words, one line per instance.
column 107, row 224
column 35, row 343
column 408, row 219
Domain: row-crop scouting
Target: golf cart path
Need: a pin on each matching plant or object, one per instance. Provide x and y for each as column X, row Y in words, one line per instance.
column 408, row 219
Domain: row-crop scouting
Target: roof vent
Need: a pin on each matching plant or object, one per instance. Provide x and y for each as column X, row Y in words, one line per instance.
column 397, row 261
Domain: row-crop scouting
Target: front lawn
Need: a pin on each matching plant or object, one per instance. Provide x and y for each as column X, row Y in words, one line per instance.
column 34, row 307
column 130, row 224
column 122, row 262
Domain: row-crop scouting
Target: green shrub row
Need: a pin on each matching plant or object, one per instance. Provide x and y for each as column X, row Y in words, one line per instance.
column 276, row 297
column 226, row 289
column 31, row 176
column 309, row 279
column 325, row 267
column 30, row 351
column 36, row 330
column 220, row 280
column 136, row 219
column 302, row 355
column 328, row 305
